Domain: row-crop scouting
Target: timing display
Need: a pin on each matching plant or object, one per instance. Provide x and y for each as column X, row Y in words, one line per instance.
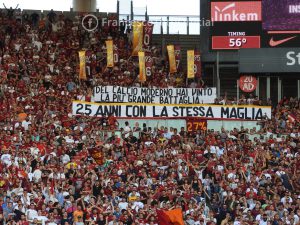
column 235, row 42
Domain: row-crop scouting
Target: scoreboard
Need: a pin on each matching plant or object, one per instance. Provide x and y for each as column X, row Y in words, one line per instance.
column 236, row 35
column 254, row 24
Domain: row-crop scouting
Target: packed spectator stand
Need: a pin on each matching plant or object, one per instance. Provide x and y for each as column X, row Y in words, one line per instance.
column 47, row 175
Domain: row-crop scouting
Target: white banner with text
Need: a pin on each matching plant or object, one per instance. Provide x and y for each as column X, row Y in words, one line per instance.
column 154, row 95
column 133, row 110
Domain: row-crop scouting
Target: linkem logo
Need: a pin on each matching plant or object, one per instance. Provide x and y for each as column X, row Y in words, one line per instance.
column 235, row 11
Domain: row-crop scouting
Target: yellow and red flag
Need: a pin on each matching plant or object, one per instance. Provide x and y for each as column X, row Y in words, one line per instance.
column 82, row 70
column 142, row 66
column 190, row 64
column 172, row 61
column 137, row 39
column 110, row 53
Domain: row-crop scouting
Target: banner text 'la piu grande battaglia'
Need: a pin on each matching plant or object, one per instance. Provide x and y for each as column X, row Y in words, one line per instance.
column 133, row 110
column 154, row 95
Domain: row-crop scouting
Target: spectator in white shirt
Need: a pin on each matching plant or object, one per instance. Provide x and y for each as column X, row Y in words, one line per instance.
column 31, row 213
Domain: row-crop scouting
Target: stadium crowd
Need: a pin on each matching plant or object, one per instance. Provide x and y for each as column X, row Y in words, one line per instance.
column 47, row 175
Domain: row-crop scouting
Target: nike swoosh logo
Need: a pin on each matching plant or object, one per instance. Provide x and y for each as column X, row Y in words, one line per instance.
column 279, row 42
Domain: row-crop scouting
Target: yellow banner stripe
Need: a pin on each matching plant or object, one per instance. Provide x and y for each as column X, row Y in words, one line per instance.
column 172, row 61
column 190, row 64
column 82, row 59
column 142, row 67
column 110, row 53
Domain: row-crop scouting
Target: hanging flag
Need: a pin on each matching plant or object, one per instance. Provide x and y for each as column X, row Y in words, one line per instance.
column 82, row 71
column 291, row 118
column 116, row 54
column 190, row 64
column 97, row 155
column 162, row 218
column 148, row 63
column 142, row 76
column 172, row 62
column 137, row 39
column 147, row 31
column 110, row 53
column 197, row 63
column 170, row 217
column 177, row 50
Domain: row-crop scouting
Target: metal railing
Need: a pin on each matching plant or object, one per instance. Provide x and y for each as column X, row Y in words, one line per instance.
column 163, row 24
column 170, row 24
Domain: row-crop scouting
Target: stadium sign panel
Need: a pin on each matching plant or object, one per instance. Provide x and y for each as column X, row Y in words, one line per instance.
column 235, row 11
column 133, row 110
column 269, row 60
column 254, row 24
column 154, row 95
column 247, row 83
column 281, row 15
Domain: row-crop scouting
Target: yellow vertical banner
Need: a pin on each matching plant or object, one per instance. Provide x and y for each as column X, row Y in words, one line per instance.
column 190, row 64
column 137, row 39
column 142, row 66
column 110, row 53
column 172, row 61
column 82, row 70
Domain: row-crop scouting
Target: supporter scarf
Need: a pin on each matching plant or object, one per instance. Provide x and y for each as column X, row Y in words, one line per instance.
column 142, row 66
column 190, row 64
column 110, row 53
column 82, row 72
column 172, row 62
column 137, row 39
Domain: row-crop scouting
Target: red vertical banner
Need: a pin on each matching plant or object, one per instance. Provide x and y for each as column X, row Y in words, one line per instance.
column 177, row 50
column 197, row 64
column 148, row 31
column 116, row 54
column 148, row 63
